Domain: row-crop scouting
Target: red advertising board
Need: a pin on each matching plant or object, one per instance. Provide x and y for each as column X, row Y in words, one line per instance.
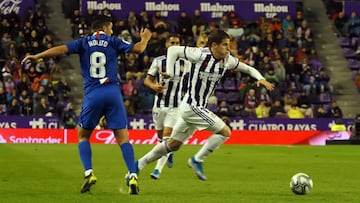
column 25, row 135
column 63, row 136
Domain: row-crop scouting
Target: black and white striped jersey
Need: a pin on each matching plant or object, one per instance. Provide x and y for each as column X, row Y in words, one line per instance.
column 172, row 94
column 206, row 72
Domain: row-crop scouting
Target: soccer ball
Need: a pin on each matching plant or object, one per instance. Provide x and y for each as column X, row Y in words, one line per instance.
column 301, row 184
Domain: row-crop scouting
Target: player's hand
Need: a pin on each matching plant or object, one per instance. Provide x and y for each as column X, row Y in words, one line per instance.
column 268, row 85
column 158, row 88
column 145, row 34
column 165, row 75
column 29, row 57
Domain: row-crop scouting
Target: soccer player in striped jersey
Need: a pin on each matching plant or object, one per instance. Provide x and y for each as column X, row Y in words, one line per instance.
column 98, row 62
column 209, row 65
column 167, row 99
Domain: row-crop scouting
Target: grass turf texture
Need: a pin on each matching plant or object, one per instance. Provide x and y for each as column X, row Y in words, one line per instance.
column 236, row 173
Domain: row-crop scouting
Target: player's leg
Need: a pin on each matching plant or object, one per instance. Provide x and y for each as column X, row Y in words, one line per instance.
column 170, row 155
column 116, row 118
column 164, row 119
column 164, row 159
column 209, row 121
column 88, row 119
column 213, row 143
column 122, row 138
column 158, row 115
column 86, row 159
column 181, row 129
column 169, row 123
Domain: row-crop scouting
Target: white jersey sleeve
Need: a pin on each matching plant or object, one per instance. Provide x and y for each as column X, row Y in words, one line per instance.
column 154, row 68
column 173, row 53
column 192, row 54
column 240, row 66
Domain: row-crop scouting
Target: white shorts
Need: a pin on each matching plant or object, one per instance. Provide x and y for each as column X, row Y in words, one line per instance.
column 195, row 118
column 164, row 117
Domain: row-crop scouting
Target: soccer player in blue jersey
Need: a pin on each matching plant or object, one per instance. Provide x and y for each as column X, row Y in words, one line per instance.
column 167, row 99
column 209, row 65
column 98, row 60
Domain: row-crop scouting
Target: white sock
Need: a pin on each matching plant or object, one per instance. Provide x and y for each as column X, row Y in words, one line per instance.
column 158, row 151
column 88, row 172
column 211, row 144
column 161, row 162
column 133, row 175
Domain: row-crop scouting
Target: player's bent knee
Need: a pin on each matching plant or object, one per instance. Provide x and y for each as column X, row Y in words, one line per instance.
column 226, row 132
column 174, row 145
column 84, row 134
column 167, row 132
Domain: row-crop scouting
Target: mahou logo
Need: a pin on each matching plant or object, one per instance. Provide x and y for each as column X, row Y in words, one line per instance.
column 2, row 140
column 8, row 6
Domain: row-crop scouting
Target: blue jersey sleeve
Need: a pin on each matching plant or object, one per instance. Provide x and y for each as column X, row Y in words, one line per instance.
column 74, row 46
column 122, row 45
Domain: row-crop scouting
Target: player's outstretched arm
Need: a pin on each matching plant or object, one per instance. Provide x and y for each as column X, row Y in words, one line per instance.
column 55, row 51
column 255, row 74
column 268, row 85
column 173, row 53
column 139, row 47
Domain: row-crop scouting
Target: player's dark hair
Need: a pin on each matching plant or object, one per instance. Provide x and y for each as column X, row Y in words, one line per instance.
column 217, row 37
column 172, row 35
column 100, row 21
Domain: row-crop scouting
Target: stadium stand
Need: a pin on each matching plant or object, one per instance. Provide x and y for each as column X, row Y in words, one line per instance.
column 284, row 50
column 35, row 87
column 345, row 22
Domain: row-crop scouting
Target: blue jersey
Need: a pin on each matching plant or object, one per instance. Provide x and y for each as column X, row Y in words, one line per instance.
column 98, row 58
column 99, row 68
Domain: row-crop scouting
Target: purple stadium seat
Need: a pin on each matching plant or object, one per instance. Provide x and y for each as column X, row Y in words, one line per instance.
column 325, row 97
column 354, row 42
column 297, row 94
column 344, row 42
column 229, row 85
column 138, row 83
column 283, row 85
column 353, row 64
column 316, row 65
column 349, row 53
column 220, row 95
column 212, row 107
column 354, row 73
column 232, row 97
column 327, row 107
column 219, row 87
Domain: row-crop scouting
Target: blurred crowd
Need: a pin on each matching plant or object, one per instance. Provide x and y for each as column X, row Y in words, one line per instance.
column 348, row 28
column 281, row 49
column 34, row 87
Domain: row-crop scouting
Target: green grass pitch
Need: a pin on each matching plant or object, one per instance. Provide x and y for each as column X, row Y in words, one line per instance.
column 236, row 173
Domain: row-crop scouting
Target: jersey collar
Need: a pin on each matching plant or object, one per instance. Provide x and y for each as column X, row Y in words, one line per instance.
column 100, row 32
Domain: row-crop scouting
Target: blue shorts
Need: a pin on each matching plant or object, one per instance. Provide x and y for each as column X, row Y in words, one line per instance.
column 105, row 100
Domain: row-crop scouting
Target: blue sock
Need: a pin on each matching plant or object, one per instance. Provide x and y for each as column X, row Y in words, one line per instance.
column 128, row 155
column 85, row 154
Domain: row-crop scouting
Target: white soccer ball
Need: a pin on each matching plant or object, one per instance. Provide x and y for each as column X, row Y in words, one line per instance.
column 301, row 184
